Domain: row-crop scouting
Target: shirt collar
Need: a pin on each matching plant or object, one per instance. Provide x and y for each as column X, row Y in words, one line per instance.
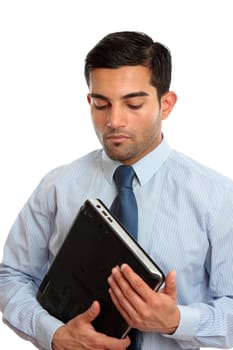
column 145, row 168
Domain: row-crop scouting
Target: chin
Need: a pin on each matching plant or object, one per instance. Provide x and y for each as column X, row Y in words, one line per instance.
column 123, row 158
column 115, row 155
column 118, row 153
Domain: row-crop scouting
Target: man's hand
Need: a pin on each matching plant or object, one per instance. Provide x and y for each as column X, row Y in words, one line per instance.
column 141, row 306
column 79, row 334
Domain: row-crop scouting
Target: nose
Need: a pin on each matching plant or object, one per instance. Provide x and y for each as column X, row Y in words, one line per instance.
column 116, row 117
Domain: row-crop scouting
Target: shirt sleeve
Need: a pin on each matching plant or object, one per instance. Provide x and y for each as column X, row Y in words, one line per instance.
column 25, row 261
column 209, row 323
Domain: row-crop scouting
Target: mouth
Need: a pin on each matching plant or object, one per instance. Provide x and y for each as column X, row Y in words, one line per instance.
column 117, row 138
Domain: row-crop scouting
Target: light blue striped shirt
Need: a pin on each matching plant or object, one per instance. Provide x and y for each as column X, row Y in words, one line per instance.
column 185, row 223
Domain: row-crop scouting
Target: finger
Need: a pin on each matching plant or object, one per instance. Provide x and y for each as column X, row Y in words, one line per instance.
column 136, row 282
column 120, row 292
column 123, row 307
column 115, row 344
column 122, row 286
column 126, row 300
column 170, row 285
column 90, row 314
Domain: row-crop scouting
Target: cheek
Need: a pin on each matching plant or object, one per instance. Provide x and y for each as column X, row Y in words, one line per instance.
column 149, row 125
column 99, row 124
column 147, row 121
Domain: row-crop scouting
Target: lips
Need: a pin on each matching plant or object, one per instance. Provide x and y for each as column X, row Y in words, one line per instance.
column 117, row 138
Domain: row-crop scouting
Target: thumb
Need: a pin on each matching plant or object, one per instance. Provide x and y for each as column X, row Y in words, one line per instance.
column 90, row 314
column 170, row 285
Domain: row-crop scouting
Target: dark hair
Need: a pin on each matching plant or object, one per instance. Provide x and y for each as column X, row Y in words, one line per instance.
column 129, row 48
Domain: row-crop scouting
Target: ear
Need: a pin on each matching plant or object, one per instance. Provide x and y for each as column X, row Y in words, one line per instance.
column 168, row 101
column 89, row 99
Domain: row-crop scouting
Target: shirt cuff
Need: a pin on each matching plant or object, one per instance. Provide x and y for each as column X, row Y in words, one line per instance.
column 46, row 328
column 188, row 325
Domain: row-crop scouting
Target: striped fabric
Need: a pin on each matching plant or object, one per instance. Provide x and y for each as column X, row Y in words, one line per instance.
column 185, row 223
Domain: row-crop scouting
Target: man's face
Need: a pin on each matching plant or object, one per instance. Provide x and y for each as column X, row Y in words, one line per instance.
column 126, row 112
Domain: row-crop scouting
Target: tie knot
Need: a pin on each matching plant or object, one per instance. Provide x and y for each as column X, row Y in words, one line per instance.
column 123, row 176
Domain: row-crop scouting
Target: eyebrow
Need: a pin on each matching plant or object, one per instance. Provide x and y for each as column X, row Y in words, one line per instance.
column 130, row 95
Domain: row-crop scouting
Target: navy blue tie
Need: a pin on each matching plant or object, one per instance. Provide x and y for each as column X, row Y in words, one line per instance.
column 124, row 207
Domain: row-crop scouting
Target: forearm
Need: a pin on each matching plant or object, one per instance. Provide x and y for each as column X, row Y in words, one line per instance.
column 204, row 325
column 22, row 311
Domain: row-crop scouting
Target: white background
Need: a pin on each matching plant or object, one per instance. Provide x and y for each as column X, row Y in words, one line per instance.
column 44, row 115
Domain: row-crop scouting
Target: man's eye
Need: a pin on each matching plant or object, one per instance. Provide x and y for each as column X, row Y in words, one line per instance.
column 102, row 107
column 100, row 104
column 135, row 106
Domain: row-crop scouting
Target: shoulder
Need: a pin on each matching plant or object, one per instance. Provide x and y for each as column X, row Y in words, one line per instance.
column 191, row 171
column 67, row 173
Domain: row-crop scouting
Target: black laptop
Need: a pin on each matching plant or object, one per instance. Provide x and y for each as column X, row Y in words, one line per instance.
column 78, row 275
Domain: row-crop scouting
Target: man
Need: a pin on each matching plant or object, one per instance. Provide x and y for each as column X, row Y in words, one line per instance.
column 185, row 220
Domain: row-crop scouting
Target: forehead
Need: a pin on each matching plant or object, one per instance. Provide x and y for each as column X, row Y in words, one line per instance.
column 120, row 81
